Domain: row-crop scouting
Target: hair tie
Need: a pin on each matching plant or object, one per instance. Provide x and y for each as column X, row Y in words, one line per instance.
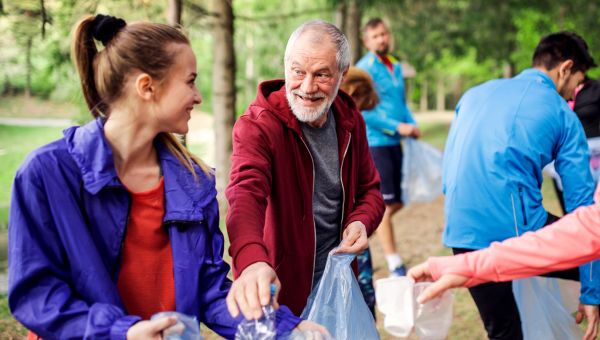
column 105, row 27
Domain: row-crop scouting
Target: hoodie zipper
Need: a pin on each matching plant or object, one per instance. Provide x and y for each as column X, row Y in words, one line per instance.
column 313, row 215
column 342, row 183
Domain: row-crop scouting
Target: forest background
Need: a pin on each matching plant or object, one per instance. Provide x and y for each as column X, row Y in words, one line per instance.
column 446, row 47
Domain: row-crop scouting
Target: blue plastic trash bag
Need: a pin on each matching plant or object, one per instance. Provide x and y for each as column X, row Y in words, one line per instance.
column 264, row 328
column 544, row 309
column 186, row 328
column 338, row 304
column 421, row 172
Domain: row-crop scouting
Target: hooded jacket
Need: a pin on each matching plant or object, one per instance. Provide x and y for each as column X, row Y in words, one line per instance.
column 68, row 219
column 270, row 216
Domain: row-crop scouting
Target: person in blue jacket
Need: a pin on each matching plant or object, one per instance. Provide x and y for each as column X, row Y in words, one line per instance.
column 504, row 132
column 79, row 232
column 387, row 123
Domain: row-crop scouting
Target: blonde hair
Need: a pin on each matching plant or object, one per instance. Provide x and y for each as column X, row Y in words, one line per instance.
column 139, row 46
column 358, row 84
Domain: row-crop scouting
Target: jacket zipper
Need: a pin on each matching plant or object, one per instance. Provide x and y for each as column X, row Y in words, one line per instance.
column 342, row 182
column 313, row 215
column 512, row 201
column 522, row 205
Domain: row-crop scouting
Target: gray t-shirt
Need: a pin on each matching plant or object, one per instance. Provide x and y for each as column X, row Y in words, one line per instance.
column 327, row 193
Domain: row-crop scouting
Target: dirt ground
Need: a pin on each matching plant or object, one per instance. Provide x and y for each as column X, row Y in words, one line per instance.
column 418, row 231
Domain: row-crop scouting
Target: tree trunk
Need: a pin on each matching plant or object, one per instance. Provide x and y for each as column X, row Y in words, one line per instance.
column 440, row 104
column 44, row 17
column 249, row 79
column 457, row 90
column 174, row 12
column 28, row 67
column 424, row 100
column 174, row 9
column 340, row 16
column 507, row 70
column 353, row 31
column 223, row 93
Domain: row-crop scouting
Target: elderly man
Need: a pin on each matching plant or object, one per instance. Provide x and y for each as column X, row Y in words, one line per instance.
column 387, row 123
column 302, row 178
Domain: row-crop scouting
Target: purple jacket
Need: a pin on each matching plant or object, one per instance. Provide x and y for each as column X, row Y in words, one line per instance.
column 67, row 223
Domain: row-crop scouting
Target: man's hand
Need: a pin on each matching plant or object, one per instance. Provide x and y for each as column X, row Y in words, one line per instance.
column 252, row 290
column 408, row 130
column 150, row 329
column 312, row 330
column 354, row 240
column 591, row 313
column 421, row 273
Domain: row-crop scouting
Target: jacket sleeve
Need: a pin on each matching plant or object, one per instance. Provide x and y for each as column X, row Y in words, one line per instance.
column 378, row 120
column 216, row 285
column 40, row 289
column 569, row 242
column 247, row 192
column 573, row 167
column 368, row 205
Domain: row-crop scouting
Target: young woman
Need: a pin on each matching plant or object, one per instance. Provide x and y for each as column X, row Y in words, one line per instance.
column 116, row 221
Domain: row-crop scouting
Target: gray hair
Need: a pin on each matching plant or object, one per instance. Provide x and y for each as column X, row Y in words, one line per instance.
column 336, row 36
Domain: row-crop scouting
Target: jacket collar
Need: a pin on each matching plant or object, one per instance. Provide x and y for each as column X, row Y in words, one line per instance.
column 538, row 76
column 271, row 95
column 372, row 58
column 185, row 195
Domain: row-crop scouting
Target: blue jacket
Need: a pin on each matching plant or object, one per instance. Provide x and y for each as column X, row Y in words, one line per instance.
column 505, row 131
column 391, row 110
column 67, row 223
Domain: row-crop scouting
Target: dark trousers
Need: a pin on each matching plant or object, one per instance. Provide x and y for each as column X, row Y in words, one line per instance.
column 496, row 303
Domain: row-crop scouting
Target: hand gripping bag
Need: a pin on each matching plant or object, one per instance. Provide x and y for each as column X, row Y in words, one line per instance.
column 338, row 304
column 421, row 172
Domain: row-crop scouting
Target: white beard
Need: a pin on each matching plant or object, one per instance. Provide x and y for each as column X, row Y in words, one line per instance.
column 308, row 115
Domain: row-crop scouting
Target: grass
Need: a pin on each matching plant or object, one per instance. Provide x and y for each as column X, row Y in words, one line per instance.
column 15, row 143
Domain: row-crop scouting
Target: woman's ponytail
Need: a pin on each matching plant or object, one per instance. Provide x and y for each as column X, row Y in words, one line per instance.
column 83, row 53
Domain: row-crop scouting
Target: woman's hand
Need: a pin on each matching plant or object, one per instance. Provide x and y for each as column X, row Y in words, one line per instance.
column 421, row 273
column 150, row 329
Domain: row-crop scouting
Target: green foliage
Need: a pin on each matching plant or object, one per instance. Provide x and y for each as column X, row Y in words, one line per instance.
column 463, row 42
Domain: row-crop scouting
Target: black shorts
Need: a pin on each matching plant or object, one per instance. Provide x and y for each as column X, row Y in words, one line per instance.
column 388, row 161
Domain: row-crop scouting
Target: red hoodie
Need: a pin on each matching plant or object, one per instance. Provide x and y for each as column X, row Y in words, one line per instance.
column 270, row 216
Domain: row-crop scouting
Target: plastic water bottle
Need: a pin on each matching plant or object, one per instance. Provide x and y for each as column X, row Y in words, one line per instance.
column 263, row 328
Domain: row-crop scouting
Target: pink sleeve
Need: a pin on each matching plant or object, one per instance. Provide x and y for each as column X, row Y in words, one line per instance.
column 570, row 242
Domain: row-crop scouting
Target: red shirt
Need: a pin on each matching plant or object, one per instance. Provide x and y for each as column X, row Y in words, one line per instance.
column 146, row 283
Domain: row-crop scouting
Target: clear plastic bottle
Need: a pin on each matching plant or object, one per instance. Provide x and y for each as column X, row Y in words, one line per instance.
column 263, row 328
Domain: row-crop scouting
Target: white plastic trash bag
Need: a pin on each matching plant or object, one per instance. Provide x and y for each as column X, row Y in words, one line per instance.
column 546, row 306
column 338, row 304
column 421, row 172
column 397, row 300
